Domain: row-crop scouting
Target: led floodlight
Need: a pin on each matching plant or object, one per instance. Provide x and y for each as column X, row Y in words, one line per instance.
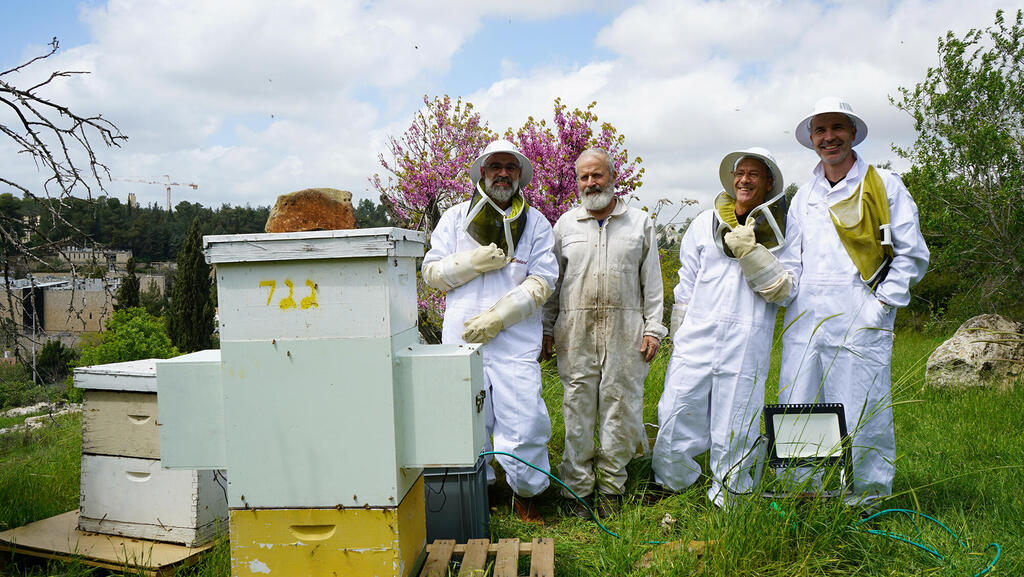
column 811, row 435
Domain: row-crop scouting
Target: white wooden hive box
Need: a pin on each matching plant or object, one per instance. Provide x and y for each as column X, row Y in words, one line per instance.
column 138, row 498
column 124, row 489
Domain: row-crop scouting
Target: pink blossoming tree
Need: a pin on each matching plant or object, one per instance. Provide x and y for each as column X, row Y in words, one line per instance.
column 554, row 153
column 430, row 163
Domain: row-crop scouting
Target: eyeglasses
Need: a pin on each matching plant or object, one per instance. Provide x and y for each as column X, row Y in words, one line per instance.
column 497, row 167
column 751, row 175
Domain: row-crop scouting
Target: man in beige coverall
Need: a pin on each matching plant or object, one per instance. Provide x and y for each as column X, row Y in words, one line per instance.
column 604, row 319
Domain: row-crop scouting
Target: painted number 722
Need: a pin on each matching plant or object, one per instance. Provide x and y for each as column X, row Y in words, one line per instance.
column 288, row 302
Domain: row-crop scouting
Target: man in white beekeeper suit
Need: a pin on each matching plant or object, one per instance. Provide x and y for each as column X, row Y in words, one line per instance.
column 737, row 265
column 605, row 321
column 862, row 250
column 493, row 255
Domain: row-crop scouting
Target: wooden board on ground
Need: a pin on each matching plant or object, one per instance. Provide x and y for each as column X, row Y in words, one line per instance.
column 476, row 552
column 59, row 538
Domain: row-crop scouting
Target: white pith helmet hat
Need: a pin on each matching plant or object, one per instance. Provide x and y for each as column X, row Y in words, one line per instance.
column 824, row 106
column 502, row 145
column 763, row 154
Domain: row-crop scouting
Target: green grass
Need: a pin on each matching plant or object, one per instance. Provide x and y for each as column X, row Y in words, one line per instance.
column 960, row 460
column 39, row 471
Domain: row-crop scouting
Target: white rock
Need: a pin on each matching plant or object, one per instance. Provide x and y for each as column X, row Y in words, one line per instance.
column 19, row 411
column 986, row 350
column 39, row 420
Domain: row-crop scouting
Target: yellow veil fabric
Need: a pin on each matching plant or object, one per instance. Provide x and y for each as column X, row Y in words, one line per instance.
column 862, row 221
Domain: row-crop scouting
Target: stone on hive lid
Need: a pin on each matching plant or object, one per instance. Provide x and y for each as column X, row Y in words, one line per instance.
column 986, row 350
column 312, row 209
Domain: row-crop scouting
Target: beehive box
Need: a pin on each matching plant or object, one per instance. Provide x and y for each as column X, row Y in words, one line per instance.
column 330, row 542
column 124, row 489
column 138, row 498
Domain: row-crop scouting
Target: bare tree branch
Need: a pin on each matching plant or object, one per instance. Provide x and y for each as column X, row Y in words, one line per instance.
column 62, row 145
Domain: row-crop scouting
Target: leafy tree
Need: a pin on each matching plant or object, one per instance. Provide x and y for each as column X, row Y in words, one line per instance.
column 370, row 214
column 128, row 293
column 190, row 322
column 54, row 361
column 153, row 299
column 131, row 334
column 968, row 173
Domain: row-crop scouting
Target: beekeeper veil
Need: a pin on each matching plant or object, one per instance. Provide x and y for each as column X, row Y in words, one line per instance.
column 769, row 217
column 487, row 222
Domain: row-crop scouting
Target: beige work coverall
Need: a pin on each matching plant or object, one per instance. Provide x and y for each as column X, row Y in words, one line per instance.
column 608, row 297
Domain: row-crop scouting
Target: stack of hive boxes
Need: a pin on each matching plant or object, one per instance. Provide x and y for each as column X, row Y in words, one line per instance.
column 326, row 407
column 124, row 489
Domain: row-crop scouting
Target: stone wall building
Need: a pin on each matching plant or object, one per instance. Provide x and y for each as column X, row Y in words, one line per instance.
column 47, row 310
column 113, row 259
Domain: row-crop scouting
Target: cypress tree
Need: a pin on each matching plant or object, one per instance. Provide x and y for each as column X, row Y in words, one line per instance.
column 190, row 322
column 128, row 293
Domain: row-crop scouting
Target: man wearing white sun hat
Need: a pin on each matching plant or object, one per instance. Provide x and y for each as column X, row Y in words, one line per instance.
column 737, row 264
column 862, row 250
column 493, row 255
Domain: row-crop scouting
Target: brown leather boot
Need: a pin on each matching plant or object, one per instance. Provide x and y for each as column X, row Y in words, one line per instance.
column 526, row 509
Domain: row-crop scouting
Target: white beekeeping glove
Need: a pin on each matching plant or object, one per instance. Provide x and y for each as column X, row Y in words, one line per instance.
column 458, row 269
column 517, row 305
column 765, row 274
column 740, row 240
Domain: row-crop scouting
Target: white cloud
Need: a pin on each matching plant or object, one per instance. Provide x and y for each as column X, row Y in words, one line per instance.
column 254, row 98
column 692, row 80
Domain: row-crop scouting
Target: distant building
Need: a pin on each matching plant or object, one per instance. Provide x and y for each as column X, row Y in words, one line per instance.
column 31, row 223
column 61, row 310
column 113, row 259
column 80, row 306
column 132, row 201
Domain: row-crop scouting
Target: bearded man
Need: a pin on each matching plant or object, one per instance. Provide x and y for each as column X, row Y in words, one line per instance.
column 604, row 319
column 493, row 255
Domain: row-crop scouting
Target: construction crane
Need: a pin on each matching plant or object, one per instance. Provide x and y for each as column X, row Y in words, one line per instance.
column 167, row 184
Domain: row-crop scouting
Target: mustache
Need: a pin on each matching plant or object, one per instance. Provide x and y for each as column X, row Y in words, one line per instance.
column 503, row 179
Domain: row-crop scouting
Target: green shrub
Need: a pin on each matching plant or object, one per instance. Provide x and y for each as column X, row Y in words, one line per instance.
column 17, row 388
column 131, row 334
column 669, row 279
column 70, row 393
column 55, row 361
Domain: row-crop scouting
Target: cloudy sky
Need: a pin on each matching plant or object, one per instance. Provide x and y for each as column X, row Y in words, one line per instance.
column 250, row 99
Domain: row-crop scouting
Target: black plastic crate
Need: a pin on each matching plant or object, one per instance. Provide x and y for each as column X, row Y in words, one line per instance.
column 457, row 503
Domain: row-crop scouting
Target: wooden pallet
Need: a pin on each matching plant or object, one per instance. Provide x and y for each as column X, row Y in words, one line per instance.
column 475, row 555
column 59, row 538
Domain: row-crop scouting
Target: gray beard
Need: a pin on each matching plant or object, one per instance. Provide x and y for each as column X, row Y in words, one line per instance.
column 599, row 201
column 499, row 194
